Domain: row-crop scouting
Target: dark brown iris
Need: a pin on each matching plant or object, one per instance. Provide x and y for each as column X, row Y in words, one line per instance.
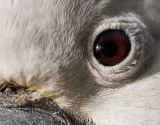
column 111, row 47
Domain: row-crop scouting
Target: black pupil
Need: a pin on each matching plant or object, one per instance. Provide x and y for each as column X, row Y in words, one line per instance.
column 110, row 49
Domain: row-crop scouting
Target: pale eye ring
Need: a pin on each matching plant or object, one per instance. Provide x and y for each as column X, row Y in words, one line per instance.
column 119, row 50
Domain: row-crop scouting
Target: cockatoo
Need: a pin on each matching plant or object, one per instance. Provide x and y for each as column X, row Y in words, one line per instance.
column 95, row 59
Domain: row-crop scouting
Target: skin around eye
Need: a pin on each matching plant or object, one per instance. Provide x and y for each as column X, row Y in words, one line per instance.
column 119, row 49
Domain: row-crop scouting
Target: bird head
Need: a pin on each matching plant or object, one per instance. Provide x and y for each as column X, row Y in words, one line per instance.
column 96, row 58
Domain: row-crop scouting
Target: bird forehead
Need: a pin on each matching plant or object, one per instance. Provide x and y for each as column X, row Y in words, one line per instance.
column 52, row 21
column 56, row 13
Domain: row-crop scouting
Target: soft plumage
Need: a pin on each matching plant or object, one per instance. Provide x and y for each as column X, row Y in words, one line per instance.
column 46, row 50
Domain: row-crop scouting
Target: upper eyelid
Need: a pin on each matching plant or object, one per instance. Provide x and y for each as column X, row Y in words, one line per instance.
column 117, row 24
column 124, row 18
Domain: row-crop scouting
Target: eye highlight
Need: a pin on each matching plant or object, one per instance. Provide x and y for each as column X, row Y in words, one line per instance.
column 111, row 47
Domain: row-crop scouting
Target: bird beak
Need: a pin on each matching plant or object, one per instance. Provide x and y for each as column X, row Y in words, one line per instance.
column 40, row 111
column 20, row 108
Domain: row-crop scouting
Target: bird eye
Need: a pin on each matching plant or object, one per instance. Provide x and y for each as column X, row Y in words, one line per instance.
column 111, row 47
column 119, row 49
